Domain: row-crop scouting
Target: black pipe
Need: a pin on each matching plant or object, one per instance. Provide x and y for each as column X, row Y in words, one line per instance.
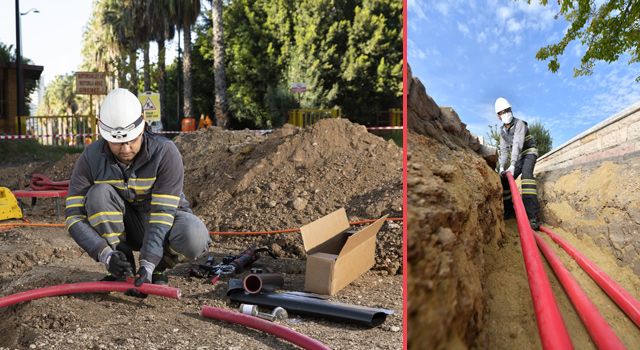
column 263, row 282
column 310, row 306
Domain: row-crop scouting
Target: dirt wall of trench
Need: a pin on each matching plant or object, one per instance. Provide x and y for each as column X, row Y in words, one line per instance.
column 454, row 210
column 600, row 200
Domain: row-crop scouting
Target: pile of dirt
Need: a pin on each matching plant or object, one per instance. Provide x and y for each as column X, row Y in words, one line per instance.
column 243, row 181
column 599, row 200
column 454, row 204
column 236, row 181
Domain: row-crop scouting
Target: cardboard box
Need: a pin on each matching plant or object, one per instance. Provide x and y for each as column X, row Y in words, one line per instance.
column 337, row 255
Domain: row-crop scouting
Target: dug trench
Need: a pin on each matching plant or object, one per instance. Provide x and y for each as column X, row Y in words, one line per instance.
column 467, row 283
column 236, row 181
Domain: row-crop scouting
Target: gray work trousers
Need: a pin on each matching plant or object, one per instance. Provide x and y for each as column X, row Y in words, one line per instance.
column 524, row 166
column 118, row 222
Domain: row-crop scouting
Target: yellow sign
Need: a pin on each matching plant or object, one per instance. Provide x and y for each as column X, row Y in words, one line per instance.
column 150, row 105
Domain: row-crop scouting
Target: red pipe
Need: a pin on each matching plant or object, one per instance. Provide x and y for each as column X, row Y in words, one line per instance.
column 88, row 287
column 551, row 327
column 619, row 295
column 598, row 328
column 279, row 331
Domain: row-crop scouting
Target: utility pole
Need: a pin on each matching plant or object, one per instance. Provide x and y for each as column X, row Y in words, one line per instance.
column 19, row 78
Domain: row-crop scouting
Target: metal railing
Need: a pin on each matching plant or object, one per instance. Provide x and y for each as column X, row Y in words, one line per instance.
column 305, row 117
column 76, row 130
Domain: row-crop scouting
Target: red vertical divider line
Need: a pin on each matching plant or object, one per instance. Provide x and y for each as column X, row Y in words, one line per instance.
column 600, row 331
column 551, row 328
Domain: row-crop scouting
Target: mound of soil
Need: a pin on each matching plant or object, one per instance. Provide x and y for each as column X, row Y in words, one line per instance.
column 236, row 181
column 242, row 181
column 454, row 204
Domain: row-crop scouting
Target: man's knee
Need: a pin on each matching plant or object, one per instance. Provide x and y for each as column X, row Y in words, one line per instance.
column 99, row 195
column 189, row 236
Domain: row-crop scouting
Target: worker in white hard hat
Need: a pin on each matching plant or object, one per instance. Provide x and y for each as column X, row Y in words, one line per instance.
column 516, row 139
column 125, row 195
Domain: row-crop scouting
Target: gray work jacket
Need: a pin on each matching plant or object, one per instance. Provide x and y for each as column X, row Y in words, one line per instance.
column 152, row 183
column 516, row 140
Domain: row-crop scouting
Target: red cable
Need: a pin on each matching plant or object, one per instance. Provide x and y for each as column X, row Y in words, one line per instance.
column 88, row 287
column 279, row 331
column 598, row 328
column 551, row 327
column 619, row 295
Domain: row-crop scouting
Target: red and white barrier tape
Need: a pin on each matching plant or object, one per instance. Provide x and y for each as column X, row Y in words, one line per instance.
column 266, row 131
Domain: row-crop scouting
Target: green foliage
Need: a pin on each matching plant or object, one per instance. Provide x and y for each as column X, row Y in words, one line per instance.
column 608, row 31
column 542, row 137
column 540, row 134
column 494, row 135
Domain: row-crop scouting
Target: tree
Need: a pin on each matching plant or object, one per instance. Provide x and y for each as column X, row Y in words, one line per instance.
column 185, row 13
column 7, row 55
column 221, row 103
column 542, row 137
column 608, row 31
column 540, row 134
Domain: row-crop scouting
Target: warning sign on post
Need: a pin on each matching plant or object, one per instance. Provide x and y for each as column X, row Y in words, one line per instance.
column 91, row 83
column 150, row 102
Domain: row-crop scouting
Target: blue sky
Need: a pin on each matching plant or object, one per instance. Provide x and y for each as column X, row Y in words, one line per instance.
column 468, row 53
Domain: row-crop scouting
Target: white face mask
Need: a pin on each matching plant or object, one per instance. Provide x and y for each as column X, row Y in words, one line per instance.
column 507, row 117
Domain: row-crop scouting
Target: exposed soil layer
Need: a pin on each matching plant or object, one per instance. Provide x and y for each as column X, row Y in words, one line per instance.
column 511, row 322
column 454, row 210
column 232, row 179
column 600, row 201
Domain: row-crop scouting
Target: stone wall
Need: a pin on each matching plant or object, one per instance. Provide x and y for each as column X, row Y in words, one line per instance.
column 615, row 137
column 591, row 186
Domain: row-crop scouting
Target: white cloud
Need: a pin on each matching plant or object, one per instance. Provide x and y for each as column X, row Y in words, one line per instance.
column 463, row 28
column 537, row 16
column 517, row 40
column 417, row 53
column 416, row 7
column 493, row 48
column 513, row 25
column 443, row 8
column 482, row 37
column 504, row 13
column 512, row 69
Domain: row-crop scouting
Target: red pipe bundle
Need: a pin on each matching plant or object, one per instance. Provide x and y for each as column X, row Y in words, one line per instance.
column 279, row 331
column 89, row 287
column 553, row 332
column 619, row 295
column 597, row 326
column 40, row 182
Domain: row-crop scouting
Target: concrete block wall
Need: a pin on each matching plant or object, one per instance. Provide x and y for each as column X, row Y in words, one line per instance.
column 617, row 136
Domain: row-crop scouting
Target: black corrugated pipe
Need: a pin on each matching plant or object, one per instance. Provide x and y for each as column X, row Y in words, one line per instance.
column 310, row 306
column 263, row 282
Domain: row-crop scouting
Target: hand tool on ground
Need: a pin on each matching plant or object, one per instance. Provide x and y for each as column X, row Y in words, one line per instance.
column 231, row 264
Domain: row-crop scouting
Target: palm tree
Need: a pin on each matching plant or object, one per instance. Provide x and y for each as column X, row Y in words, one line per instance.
column 221, row 102
column 161, row 29
column 185, row 13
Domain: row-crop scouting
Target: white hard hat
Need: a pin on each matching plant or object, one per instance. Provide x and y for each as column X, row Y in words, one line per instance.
column 121, row 117
column 502, row 104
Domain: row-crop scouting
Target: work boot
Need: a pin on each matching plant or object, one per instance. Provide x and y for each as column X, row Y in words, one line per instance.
column 509, row 214
column 535, row 225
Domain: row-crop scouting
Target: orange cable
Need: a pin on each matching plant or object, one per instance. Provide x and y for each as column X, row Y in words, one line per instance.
column 25, row 224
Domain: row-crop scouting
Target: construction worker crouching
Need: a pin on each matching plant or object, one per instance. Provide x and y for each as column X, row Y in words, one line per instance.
column 125, row 195
column 515, row 138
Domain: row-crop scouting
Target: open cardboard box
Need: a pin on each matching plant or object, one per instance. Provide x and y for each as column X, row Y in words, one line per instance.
column 337, row 255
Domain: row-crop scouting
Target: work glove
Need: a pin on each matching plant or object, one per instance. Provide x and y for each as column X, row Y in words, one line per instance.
column 118, row 265
column 144, row 273
column 511, row 169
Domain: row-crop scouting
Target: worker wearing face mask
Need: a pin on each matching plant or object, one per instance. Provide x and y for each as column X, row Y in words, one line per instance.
column 516, row 139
